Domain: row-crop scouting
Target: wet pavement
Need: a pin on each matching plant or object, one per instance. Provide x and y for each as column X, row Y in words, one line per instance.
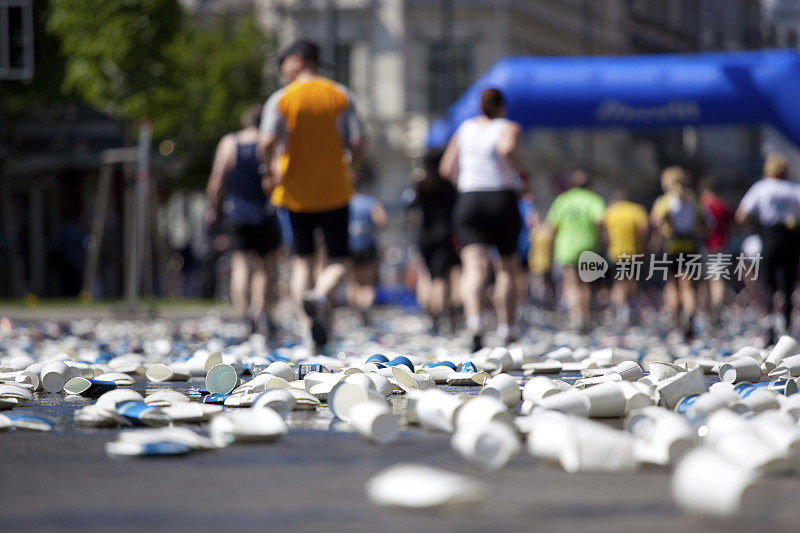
column 312, row 480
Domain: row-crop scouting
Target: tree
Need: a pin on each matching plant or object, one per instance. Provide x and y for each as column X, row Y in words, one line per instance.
column 137, row 59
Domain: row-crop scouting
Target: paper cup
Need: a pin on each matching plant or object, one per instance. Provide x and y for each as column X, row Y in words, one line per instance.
column 411, row 486
column 594, row 447
column 659, row 371
column 375, row 422
column 605, row 400
column 221, row 379
column 362, row 380
column 547, row 433
column 539, row 387
column 282, row 370
column 482, row 410
column 110, row 399
column 571, row 402
column 545, row 367
column 660, row 436
column 747, row 351
column 563, row 354
column 746, row 447
column 410, row 381
column 249, row 425
column 504, row 388
column 489, row 446
column 344, row 396
column 279, row 400
column 744, row 368
column 788, row 368
column 760, row 400
column 439, row 374
column 141, row 414
column 160, row 372
column 54, row 376
column 501, row 359
column 91, row 388
column 186, row 412
column 706, row 483
column 785, row 347
column 671, row 390
column 780, row 430
column 435, row 410
column 635, row 397
column 202, row 361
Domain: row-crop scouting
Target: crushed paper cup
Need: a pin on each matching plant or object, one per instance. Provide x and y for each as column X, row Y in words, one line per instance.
column 744, row 368
column 414, row 486
column 186, row 412
column 545, row 367
column 760, row 400
column 375, row 422
column 635, row 396
column 91, row 388
column 439, row 374
column 785, row 347
column 789, row 367
column 167, row 434
column 707, row 483
column 660, row 436
column 661, row 370
column 221, row 379
column 165, row 398
column 627, row 370
column 435, row 410
column 606, row 400
column 362, row 380
column 202, row 361
column 382, row 385
column 249, row 425
column 539, row 387
column 344, row 396
column 139, row 449
column 281, row 370
column 160, row 372
column 111, row 398
column 304, row 400
column 563, row 354
column 586, row 383
column 489, row 446
column 501, row 359
column 10, row 390
column 613, row 355
column 547, row 432
column 504, row 388
column 280, row 400
column 670, row 391
column 571, row 402
column 747, row 351
column 216, row 399
column 121, row 379
column 140, row 414
column 27, row 421
column 99, row 416
column 410, row 381
column 244, row 399
column 466, row 379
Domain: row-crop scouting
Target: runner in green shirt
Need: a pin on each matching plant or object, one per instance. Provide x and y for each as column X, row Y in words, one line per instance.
column 575, row 217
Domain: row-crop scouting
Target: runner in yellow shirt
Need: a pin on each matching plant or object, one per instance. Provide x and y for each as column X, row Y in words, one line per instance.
column 625, row 226
column 314, row 120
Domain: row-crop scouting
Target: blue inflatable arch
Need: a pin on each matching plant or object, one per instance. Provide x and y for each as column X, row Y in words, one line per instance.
column 640, row 92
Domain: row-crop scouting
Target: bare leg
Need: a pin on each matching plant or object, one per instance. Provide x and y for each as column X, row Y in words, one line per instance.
column 258, row 288
column 240, row 279
column 330, row 277
column 438, row 296
column 671, row 300
column 475, row 260
column 505, row 293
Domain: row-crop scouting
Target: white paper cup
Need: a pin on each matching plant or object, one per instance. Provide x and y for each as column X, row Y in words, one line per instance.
column 221, row 379
column 344, row 396
column 248, row 425
column 54, row 376
column 671, row 390
column 281, row 369
column 780, row 430
column 743, row 445
column 547, row 433
column 362, row 380
column 660, row 436
column 410, row 381
column 539, row 387
column 661, row 370
column 744, row 368
column 279, row 400
column 439, row 374
column 551, row 366
column 563, row 354
column 635, row 397
column 467, row 379
column 375, row 422
column 382, row 385
column 594, row 447
column 501, row 359
column 186, row 412
column 760, row 400
column 747, row 351
column 489, row 446
column 571, row 402
column 785, row 347
column 707, row 483
column 788, row 368
column 504, row 388
column 411, row 486
column 110, row 399
column 606, row 400
column 202, row 361
column 482, row 410
column 160, row 372
column 435, row 409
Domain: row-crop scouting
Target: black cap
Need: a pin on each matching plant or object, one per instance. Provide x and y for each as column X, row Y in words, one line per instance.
column 304, row 48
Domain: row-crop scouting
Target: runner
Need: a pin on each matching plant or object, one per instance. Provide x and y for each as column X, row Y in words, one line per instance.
column 575, row 217
column 625, row 224
column 315, row 120
column 251, row 221
column 773, row 204
column 716, row 245
column 435, row 198
column 366, row 216
column 483, row 157
column 529, row 216
column 679, row 222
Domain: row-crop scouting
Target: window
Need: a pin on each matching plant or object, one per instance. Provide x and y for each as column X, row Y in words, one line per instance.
column 447, row 79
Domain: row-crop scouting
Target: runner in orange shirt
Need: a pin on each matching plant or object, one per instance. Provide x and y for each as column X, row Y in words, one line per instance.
column 314, row 119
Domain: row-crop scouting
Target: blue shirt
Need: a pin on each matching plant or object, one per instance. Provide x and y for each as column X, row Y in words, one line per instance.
column 362, row 228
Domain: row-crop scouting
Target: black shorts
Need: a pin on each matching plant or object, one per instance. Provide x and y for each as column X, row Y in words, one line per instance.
column 488, row 217
column 334, row 226
column 439, row 258
column 364, row 256
column 262, row 238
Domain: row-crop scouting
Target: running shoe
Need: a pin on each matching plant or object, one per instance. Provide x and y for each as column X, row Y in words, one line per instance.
column 318, row 313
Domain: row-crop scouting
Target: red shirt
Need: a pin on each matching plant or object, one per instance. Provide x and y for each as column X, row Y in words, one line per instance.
column 722, row 214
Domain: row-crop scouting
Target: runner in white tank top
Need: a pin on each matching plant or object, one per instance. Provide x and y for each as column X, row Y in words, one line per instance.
column 481, row 167
column 483, row 159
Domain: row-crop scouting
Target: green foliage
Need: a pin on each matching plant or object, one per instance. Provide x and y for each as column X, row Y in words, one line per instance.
column 137, row 59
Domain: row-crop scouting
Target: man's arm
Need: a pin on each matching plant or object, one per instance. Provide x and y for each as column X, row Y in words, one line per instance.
column 352, row 130
column 508, row 147
column 448, row 166
column 224, row 159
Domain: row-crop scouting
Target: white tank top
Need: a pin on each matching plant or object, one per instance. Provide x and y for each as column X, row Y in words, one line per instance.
column 481, row 168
